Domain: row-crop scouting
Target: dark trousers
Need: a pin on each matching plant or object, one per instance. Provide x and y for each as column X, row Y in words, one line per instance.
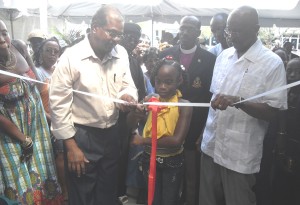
column 124, row 152
column 99, row 184
column 169, row 175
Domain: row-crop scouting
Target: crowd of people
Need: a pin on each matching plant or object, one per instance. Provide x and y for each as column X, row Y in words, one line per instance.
column 74, row 129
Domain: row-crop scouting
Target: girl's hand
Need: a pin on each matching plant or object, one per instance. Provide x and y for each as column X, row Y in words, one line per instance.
column 137, row 139
column 146, row 99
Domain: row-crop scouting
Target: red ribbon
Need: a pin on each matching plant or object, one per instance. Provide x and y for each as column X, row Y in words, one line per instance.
column 152, row 174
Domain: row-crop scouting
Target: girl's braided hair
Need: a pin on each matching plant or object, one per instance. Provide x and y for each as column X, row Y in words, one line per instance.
column 169, row 60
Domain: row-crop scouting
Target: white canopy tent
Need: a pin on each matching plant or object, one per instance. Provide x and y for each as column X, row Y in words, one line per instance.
column 56, row 12
column 282, row 13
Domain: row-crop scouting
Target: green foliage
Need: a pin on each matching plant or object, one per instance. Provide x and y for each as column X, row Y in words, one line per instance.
column 69, row 37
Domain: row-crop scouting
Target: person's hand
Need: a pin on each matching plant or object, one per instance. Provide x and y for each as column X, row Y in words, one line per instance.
column 140, row 112
column 76, row 158
column 130, row 105
column 221, row 102
column 136, row 139
column 147, row 98
column 27, row 149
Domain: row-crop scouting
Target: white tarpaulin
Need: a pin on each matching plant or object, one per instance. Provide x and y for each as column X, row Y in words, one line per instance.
column 271, row 12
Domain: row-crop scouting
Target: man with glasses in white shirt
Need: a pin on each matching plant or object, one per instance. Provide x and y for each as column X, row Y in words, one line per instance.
column 88, row 125
column 233, row 136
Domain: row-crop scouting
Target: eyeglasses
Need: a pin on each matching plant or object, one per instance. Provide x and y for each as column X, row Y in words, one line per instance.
column 230, row 33
column 113, row 34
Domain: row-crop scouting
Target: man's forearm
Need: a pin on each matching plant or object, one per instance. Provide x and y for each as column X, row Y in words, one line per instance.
column 260, row 111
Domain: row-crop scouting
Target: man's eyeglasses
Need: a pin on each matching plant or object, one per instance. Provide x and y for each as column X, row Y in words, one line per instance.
column 228, row 32
column 113, row 34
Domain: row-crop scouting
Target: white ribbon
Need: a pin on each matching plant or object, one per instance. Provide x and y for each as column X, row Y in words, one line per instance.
column 159, row 103
column 178, row 104
column 76, row 91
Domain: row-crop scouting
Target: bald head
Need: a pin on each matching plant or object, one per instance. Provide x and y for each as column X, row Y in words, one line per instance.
column 242, row 28
column 246, row 15
column 192, row 20
column 219, row 18
column 101, row 16
column 217, row 26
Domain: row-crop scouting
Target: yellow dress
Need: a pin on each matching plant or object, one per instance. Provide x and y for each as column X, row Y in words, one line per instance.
column 166, row 119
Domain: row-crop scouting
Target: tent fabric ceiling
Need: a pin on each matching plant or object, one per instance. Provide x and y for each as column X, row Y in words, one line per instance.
column 165, row 11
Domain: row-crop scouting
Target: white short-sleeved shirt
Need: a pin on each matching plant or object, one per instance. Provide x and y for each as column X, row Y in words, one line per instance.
column 231, row 137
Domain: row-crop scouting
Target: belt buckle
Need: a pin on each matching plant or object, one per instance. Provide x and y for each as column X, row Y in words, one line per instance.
column 160, row 160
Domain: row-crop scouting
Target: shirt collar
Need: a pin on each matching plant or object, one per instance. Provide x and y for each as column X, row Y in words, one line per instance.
column 192, row 50
column 87, row 51
column 251, row 53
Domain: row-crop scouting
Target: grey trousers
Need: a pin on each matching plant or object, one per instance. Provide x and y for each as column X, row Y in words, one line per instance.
column 221, row 186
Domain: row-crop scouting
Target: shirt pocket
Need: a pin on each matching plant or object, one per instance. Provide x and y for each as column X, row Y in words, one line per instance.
column 251, row 85
column 236, row 144
column 117, row 82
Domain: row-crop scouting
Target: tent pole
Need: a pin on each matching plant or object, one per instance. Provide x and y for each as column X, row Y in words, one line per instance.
column 11, row 23
column 152, row 29
column 44, row 15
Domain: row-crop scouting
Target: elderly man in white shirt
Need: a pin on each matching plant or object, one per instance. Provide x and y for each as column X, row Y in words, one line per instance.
column 233, row 137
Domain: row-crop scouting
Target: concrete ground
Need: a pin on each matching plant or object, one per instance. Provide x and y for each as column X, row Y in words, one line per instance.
column 132, row 194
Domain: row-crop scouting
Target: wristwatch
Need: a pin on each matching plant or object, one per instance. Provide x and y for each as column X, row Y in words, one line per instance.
column 240, row 105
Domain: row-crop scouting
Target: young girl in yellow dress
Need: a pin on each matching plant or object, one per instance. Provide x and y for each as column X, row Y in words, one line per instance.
column 172, row 126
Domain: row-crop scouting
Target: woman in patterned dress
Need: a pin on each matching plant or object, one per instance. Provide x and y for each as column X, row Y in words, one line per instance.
column 27, row 170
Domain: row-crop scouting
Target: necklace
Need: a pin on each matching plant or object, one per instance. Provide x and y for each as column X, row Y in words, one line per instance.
column 11, row 62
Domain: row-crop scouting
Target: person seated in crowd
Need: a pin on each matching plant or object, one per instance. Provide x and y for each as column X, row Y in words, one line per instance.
column 167, row 37
column 47, row 57
column 288, row 46
column 140, row 49
column 164, row 45
column 27, row 170
column 132, row 34
column 217, row 26
column 286, row 177
column 166, row 41
column 263, row 187
column 35, row 38
column 150, row 59
column 281, row 52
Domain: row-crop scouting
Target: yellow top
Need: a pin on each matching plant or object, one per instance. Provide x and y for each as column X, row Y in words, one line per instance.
column 166, row 119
